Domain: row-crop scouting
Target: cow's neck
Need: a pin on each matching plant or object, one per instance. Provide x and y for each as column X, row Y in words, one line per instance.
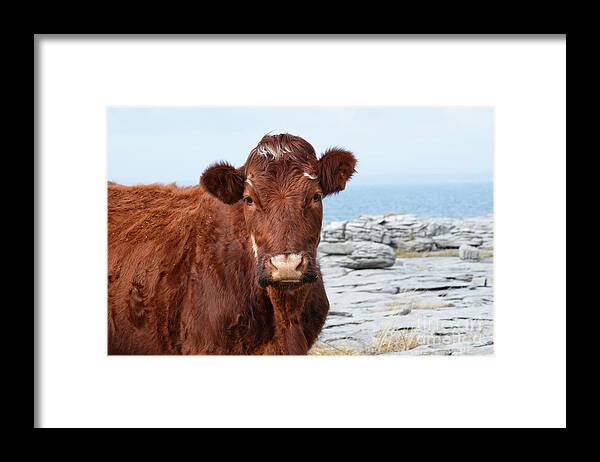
column 287, row 315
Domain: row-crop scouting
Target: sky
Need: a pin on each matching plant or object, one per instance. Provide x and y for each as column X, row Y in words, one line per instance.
column 406, row 145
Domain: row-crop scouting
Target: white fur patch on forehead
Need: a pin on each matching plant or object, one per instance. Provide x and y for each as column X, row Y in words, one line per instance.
column 266, row 151
column 283, row 146
column 312, row 177
column 249, row 182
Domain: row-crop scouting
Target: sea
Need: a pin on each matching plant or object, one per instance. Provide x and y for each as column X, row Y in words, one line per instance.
column 452, row 200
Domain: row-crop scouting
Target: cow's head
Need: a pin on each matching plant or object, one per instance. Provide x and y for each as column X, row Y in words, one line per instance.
column 281, row 187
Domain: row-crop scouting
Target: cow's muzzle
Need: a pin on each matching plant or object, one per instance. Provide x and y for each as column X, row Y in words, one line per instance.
column 287, row 270
column 286, row 267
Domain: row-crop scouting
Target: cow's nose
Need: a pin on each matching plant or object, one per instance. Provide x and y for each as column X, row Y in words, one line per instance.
column 286, row 267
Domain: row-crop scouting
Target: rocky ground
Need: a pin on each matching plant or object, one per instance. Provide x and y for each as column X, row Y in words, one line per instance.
column 384, row 302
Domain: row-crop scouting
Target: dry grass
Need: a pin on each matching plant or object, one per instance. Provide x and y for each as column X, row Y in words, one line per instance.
column 391, row 341
column 324, row 349
column 386, row 341
column 437, row 253
column 432, row 253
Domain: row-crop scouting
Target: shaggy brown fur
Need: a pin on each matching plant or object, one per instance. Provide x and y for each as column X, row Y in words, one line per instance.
column 190, row 269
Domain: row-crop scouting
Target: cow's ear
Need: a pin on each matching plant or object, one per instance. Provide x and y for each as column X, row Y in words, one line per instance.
column 224, row 181
column 336, row 167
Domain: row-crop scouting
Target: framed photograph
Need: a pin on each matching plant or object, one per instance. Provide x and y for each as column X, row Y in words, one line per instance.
column 364, row 228
column 381, row 246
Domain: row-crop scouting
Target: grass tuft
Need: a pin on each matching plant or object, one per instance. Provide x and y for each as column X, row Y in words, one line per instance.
column 386, row 341
column 392, row 341
column 324, row 349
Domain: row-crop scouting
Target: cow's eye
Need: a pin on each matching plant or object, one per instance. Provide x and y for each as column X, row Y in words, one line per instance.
column 317, row 197
column 248, row 200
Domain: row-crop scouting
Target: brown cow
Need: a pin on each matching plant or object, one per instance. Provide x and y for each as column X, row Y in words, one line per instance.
column 226, row 267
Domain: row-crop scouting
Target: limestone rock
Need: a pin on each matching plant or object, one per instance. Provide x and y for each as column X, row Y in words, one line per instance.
column 419, row 244
column 336, row 248
column 444, row 304
column 362, row 255
column 466, row 252
column 407, row 232
column 334, row 232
